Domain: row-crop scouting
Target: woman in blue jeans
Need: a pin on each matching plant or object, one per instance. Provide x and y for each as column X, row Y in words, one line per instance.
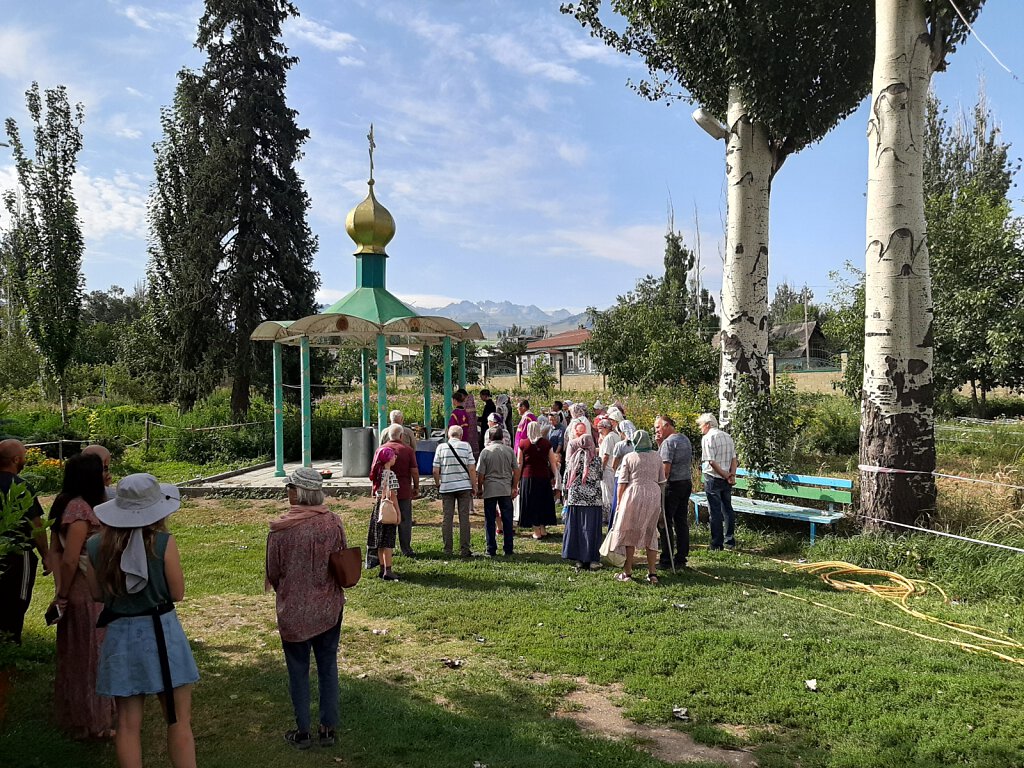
column 309, row 601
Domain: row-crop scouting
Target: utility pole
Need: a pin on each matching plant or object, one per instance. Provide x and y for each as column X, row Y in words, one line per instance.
column 807, row 334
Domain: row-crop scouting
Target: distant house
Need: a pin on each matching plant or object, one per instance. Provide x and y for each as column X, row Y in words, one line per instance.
column 562, row 347
column 790, row 341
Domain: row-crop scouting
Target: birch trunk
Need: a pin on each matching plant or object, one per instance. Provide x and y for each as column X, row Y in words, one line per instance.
column 897, row 428
column 749, row 166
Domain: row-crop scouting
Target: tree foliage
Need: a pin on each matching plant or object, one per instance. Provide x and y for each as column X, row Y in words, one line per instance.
column 47, row 238
column 654, row 334
column 801, row 65
column 977, row 252
column 764, row 427
column 844, row 327
column 233, row 245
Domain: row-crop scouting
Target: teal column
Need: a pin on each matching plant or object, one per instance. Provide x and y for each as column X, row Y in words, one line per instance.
column 446, row 363
column 382, row 384
column 278, row 412
column 426, row 391
column 365, row 355
column 462, row 365
column 307, row 405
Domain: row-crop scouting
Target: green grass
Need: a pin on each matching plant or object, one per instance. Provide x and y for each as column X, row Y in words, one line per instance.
column 531, row 630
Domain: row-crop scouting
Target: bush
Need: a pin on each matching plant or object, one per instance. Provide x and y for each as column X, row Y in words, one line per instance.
column 829, row 425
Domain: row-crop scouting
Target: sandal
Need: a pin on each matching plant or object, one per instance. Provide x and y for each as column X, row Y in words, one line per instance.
column 623, row 576
column 652, row 578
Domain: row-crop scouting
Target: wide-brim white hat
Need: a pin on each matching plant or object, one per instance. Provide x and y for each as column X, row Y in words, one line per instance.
column 141, row 500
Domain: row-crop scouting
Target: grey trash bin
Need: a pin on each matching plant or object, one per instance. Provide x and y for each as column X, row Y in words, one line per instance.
column 357, row 447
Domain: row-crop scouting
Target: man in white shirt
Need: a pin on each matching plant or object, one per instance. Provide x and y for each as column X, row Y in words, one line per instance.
column 455, row 476
column 718, row 467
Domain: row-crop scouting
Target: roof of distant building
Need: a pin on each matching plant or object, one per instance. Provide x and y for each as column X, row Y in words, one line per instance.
column 562, row 340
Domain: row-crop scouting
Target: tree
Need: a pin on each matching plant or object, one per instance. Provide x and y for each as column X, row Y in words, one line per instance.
column 844, row 327
column 47, row 236
column 541, row 378
column 913, row 38
column 239, row 138
column 512, row 343
column 188, row 224
column 976, row 252
column 652, row 335
column 781, row 74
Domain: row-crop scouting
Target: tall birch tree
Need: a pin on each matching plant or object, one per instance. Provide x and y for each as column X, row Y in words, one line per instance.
column 781, row 74
column 912, row 40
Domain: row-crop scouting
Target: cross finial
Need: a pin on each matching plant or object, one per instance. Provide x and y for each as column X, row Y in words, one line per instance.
column 373, row 146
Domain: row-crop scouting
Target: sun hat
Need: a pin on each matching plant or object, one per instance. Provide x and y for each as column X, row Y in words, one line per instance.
column 141, row 500
column 307, row 478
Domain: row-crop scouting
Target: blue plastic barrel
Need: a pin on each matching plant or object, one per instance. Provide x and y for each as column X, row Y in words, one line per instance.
column 425, row 450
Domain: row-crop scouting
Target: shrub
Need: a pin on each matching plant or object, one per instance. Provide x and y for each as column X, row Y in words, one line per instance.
column 829, row 425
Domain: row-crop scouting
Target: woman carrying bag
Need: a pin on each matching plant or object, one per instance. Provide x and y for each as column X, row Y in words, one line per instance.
column 310, row 603
column 385, row 516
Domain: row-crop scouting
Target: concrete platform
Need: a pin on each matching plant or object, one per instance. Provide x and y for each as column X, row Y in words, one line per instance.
column 259, row 481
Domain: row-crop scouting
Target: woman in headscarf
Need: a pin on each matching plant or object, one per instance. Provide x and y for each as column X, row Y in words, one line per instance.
column 609, row 439
column 622, row 448
column 381, row 536
column 639, row 507
column 557, row 439
column 578, row 412
column 536, row 499
column 582, row 538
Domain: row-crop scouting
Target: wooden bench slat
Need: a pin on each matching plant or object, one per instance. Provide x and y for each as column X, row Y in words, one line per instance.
column 828, row 482
column 798, row 491
column 775, row 509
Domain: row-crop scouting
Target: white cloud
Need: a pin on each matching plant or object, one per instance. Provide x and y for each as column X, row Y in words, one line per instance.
column 639, row 245
column 118, row 126
column 21, row 61
column 508, row 51
column 149, row 19
column 319, row 35
column 351, row 61
column 574, row 154
column 110, row 206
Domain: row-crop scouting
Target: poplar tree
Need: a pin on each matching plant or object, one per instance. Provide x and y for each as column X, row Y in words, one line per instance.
column 913, row 39
column 780, row 74
column 47, row 237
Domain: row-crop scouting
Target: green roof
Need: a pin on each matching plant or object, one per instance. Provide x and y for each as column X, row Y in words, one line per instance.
column 378, row 305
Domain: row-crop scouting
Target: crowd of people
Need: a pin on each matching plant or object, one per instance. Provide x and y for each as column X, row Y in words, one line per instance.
column 118, row 574
column 621, row 488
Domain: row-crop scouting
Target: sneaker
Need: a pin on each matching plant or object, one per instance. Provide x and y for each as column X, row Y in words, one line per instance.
column 596, row 566
column 298, row 739
column 388, row 575
column 326, row 736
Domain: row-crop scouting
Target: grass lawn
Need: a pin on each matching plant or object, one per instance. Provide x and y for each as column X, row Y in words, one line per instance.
column 534, row 635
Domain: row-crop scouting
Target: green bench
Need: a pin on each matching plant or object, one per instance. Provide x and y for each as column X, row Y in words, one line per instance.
column 831, row 492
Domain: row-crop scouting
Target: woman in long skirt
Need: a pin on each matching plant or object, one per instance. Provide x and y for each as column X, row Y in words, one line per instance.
column 536, row 497
column 79, row 710
column 581, row 541
column 641, row 477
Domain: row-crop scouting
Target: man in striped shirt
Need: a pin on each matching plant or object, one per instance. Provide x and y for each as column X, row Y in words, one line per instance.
column 718, row 467
column 455, row 476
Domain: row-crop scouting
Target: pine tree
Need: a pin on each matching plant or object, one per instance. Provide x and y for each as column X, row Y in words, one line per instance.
column 244, row 189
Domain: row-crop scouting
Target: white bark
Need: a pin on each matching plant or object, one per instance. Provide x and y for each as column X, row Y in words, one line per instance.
column 897, row 418
column 744, row 337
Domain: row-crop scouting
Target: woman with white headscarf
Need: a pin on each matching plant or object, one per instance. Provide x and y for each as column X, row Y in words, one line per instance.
column 621, row 450
column 536, row 497
column 582, row 538
column 609, row 439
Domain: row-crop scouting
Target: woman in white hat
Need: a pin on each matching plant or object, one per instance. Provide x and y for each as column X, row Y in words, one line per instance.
column 135, row 571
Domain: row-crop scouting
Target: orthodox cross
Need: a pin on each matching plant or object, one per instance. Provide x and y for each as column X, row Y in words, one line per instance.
column 373, row 146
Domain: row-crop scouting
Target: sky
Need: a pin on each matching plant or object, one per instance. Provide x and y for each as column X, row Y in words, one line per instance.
column 514, row 157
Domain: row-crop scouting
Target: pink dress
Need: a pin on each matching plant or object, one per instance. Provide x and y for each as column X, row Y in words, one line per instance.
column 637, row 515
column 79, row 710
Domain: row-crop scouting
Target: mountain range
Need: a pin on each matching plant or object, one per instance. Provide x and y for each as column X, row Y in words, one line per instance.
column 495, row 316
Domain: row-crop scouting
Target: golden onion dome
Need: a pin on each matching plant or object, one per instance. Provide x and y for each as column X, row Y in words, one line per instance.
column 370, row 225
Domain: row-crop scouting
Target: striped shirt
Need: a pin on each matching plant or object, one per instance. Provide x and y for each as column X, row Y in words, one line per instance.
column 718, row 447
column 453, row 477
